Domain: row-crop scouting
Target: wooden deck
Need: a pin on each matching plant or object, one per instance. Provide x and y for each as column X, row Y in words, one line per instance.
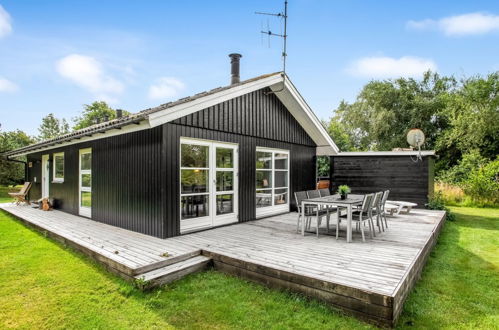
column 370, row 280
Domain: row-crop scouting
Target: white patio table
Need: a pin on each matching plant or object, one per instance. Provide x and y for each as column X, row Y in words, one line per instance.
column 334, row 200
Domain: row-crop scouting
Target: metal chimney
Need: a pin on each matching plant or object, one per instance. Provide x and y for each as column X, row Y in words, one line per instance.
column 119, row 113
column 234, row 68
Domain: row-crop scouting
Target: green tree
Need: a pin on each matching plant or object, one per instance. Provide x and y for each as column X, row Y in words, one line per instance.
column 98, row 111
column 385, row 110
column 339, row 134
column 473, row 116
column 12, row 173
column 52, row 127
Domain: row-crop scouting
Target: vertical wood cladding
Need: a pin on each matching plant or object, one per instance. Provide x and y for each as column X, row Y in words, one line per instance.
column 127, row 186
column 302, row 168
column 256, row 119
column 258, row 114
column 135, row 176
column 406, row 180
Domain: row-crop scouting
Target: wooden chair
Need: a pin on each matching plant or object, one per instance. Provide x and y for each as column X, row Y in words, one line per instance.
column 20, row 197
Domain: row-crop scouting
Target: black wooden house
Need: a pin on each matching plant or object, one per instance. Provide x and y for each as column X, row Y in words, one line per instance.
column 231, row 154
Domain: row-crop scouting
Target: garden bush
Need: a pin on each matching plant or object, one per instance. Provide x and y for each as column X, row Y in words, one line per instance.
column 482, row 184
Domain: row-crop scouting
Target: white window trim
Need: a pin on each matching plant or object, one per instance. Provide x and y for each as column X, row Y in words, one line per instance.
column 54, row 179
column 212, row 220
column 280, row 208
column 84, row 210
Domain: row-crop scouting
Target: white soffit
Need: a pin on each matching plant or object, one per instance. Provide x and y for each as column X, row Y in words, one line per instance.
column 295, row 103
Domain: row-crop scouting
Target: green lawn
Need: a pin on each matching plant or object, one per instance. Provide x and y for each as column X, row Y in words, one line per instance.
column 46, row 285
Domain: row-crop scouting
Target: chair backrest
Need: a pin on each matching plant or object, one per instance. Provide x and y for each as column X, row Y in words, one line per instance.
column 25, row 188
column 324, row 192
column 377, row 199
column 313, row 194
column 384, row 198
column 299, row 197
column 367, row 202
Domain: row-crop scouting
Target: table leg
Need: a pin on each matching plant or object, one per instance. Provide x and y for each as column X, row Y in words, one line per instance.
column 349, row 223
column 303, row 219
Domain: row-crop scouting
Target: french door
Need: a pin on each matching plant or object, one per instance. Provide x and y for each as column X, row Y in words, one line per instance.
column 208, row 184
column 45, row 176
column 85, row 183
column 272, row 181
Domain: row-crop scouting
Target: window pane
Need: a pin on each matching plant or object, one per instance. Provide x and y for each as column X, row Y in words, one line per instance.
column 86, row 161
column 225, row 204
column 194, row 155
column 195, row 206
column 194, row 181
column 86, row 180
column 280, row 196
column 281, row 161
column 86, row 199
column 225, row 180
column 225, row 158
column 59, row 167
column 263, row 198
column 263, row 159
column 281, row 179
column 263, row 179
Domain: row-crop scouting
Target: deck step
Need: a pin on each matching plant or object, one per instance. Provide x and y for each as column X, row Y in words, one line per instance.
column 172, row 272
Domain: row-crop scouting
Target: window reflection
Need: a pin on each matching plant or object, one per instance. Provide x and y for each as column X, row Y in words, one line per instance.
column 193, row 155
column 225, row 204
column 194, row 206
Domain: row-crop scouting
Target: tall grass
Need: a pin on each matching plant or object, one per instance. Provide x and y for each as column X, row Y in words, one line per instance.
column 455, row 196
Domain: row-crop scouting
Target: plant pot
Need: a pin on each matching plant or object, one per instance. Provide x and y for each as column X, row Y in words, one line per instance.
column 344, row 196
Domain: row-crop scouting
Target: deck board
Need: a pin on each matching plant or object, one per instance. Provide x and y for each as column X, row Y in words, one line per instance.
column 370, row 280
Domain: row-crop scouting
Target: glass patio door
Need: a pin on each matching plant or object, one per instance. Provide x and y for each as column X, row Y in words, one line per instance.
column 208, row 184
column 85, row 183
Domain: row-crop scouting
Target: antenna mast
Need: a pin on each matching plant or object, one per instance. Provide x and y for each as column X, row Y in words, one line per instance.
column 284, row 36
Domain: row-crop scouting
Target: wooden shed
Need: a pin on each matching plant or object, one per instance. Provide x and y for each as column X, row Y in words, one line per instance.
column 407, row 177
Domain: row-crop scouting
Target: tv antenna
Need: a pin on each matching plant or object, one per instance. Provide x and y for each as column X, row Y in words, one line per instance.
column 416, row 138
column 284, row 16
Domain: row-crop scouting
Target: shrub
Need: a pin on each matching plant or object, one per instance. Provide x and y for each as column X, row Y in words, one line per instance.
column 482, row 184
column 459, row 173
column 437, row 202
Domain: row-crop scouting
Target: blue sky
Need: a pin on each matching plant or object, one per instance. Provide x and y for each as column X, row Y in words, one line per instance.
column 58, row 55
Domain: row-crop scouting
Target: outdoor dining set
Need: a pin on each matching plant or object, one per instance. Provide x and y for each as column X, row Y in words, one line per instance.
column 367, row 211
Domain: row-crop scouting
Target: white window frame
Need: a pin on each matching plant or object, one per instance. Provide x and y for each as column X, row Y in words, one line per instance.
column 280, row 208
column 212, row 220
column 84, row 210
column 54, row 178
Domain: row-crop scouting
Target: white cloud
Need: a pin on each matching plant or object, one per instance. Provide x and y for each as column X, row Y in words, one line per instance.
column 389, row 67
column 421, row 25
column 5, row 23
column 7, row 86
column 87, row 72
column 460, row 25
column 165, row 88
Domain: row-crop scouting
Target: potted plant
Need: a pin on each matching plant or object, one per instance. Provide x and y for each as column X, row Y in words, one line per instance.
column 343, row 191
